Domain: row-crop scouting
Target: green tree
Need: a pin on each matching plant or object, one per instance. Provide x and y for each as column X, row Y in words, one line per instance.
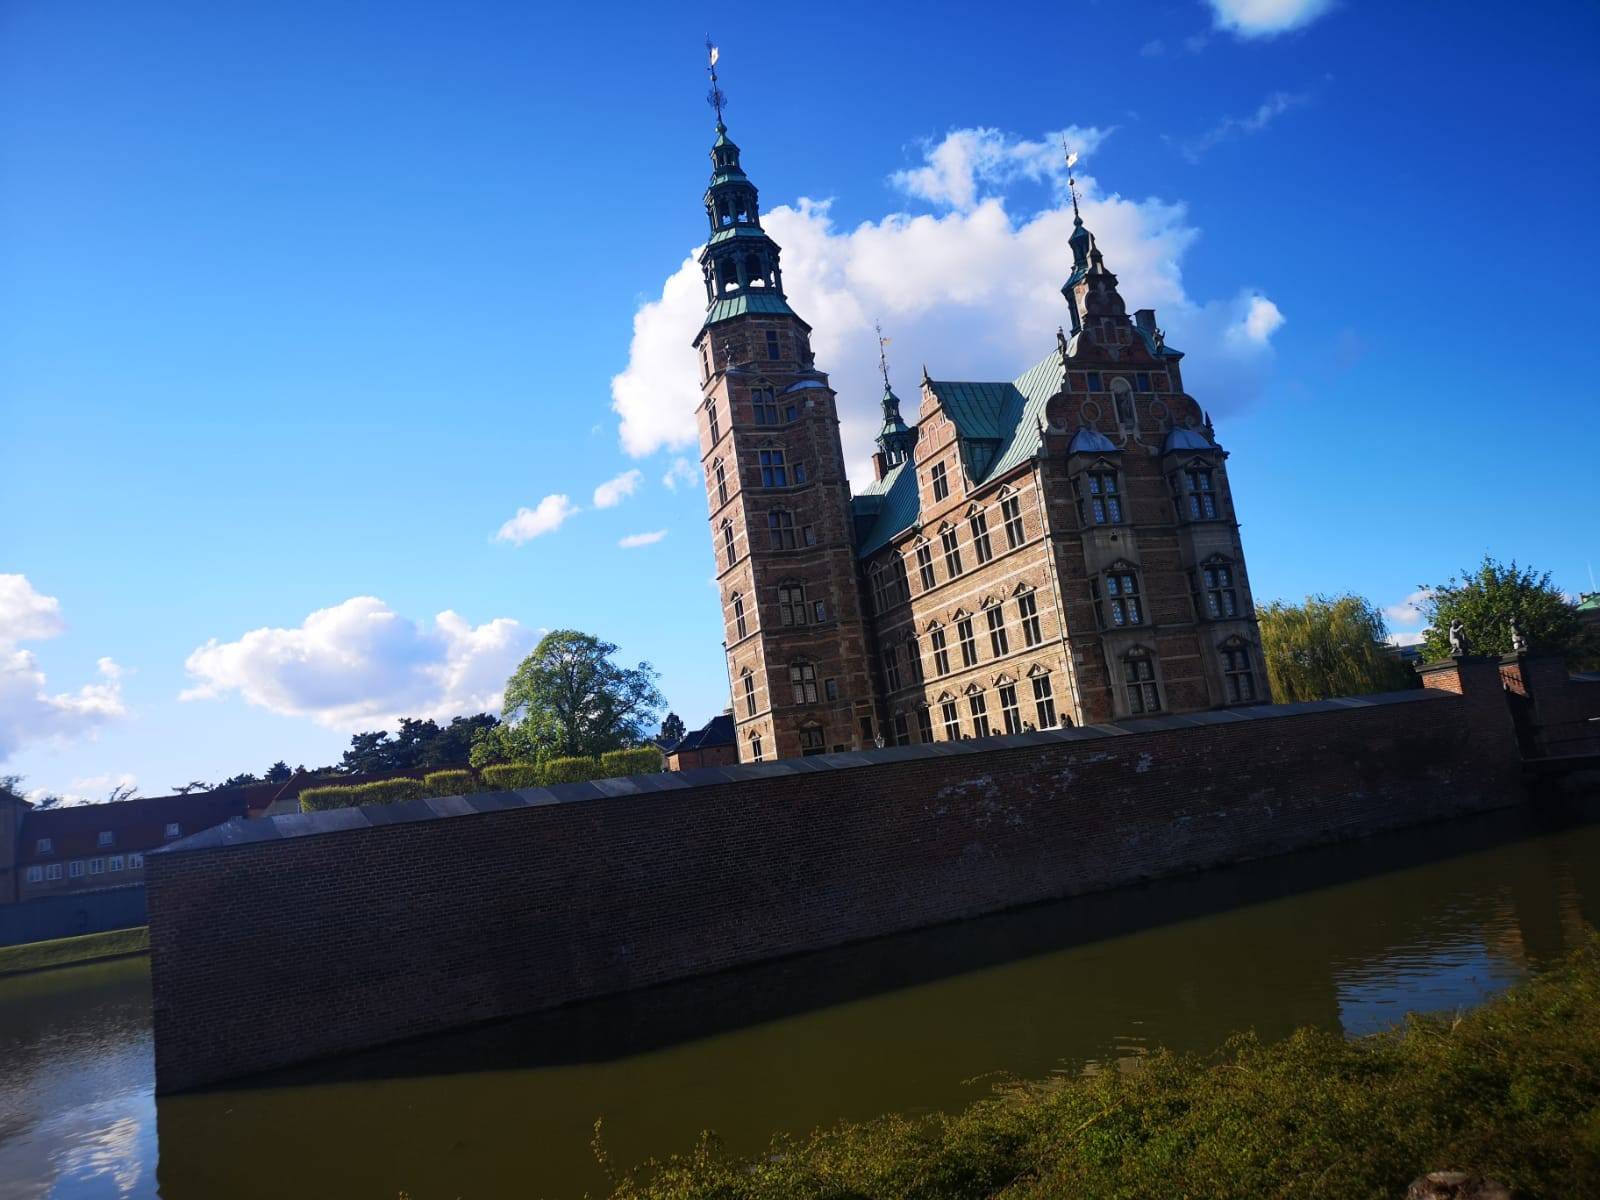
column 278, row 772
column 1487, row 598
column 569, row 698
column 240, row 780
column 1328, row 646
column 672, row 730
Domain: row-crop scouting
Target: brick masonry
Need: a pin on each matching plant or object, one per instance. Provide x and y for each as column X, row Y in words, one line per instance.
column 290, row 938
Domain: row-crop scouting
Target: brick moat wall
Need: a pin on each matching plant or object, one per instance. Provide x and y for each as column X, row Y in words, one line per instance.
column 290, row 938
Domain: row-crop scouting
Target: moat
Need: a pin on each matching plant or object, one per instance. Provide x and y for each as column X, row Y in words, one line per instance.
column 1348, row 937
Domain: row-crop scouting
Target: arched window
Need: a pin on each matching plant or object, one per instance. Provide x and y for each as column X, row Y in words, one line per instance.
column 727, row 543
column 792, row 603
column 1139, row 676
column 780, row 525
column 803, row 682
column 738, row 615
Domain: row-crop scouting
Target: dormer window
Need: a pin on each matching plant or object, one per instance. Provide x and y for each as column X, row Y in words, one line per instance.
column 173, row 829
column 1200, row 500
column 44, row 846
column 106, row 838
column 941, row 485
column 1099, row 497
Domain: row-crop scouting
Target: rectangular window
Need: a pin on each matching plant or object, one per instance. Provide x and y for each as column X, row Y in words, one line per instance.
column 727, row 542
column 773, row 472
column 749, row 694
column 764, row 405
column 1094, row 382
column 1044, row 702
column 136, row 862
column 738, row 616
column 808, row 535
column 799, row 473
column 773, row 350
column 97, row 866
column 969, row 645
column 1011, row 510
column 115, row 862
column 941, row 656
column 1008, row 708
column 35, row 874
column 819, row 610
column 867, row 736
column 790, row 412
column 925, row 565
column 880, row 590
column 792, row 604
column 716, row 428
column 812, row 742
column 105, row 838
column 1202, row 501
column 952, row 721
column 924, row 724
column 891, row 668
column 1122, row 596
column 1221, row 599
column 75, row 868
column 1139, row 673
column 722, row 481
column 1241, row 679
column 830, row 688
column 44, row 846
column 941, row 486
column 999, row 643
column 1028, row 611
column 1099, row 501
column 780, row 525
column 902, row 730
column 952, row 551
column 980, row 537
column 755, row 748
column 803, row 682
column 980, row 714
column 914, row 659
column 1143, row 381
column 53, row 871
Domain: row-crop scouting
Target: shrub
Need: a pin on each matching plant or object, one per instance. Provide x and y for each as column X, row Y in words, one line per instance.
column 571, row 770
column 383, row 791
column 320, row 799
column 450, row 783
column 646, row 760
column 506, row 777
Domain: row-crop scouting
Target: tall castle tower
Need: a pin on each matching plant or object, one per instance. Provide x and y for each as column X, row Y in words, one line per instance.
column 796, row 639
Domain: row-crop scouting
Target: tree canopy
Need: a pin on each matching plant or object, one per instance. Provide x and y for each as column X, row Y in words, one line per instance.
column 569, row 698
column 1486, row 598
column 1328, row 646
column 416, row 745
column 672, row 729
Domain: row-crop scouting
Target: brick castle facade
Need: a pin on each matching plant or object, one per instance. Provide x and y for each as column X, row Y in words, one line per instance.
column 1057, row 549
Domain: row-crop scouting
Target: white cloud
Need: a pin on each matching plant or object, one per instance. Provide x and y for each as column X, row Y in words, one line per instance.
column 87, row 789
column 680, row 474
column 1408, row 611
column 1408, row 637
column 614, row 491
column 1266, row 18
column 634, row 540
column 362, row 665
column 969, row 161
column 1269, row 110
column 974, row 293
column 546, row 517
column 29, row 711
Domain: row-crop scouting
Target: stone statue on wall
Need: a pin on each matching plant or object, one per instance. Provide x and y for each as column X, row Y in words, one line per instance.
column 1519, row 640
column 1459, row 646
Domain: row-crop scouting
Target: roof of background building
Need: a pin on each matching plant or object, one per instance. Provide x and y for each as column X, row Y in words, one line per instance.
column 716, row 732
column 139, row 824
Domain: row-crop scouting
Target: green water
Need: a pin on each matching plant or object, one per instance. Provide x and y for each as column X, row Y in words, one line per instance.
column 1346, row 938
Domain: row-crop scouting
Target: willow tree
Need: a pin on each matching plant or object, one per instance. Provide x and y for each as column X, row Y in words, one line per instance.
column 1328, row 646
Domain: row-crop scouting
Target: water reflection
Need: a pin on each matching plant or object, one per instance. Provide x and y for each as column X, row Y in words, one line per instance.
column 1345, row 938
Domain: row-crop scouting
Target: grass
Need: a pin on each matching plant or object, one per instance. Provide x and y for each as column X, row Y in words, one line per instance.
column 1510, row 1090
column 64, row 952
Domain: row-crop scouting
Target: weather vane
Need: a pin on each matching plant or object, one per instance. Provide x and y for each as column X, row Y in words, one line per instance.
column 1072, row 184
column 883, row 359
column 715, row 97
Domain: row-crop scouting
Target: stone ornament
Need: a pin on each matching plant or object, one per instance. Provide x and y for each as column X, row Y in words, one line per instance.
column 1519, row 640
column 1459, row 646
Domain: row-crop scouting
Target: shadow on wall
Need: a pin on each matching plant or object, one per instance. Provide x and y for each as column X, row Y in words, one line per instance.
column 632, row 1023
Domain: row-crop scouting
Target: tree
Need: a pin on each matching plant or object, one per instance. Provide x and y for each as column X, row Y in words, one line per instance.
column 569, row 698
column 278, row 772
column 123, row 791
column 194, row 785
column 1487, row 598
column 243, row 780
column 1328, row 646
column 416, row 745
column 672, row 730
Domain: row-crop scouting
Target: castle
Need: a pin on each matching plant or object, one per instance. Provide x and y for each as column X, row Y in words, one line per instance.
column 1056, row 549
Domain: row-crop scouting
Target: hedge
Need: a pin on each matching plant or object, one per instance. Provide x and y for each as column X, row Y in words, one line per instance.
column 571, row 770
column 450, row 783
column 383, row 791
column 508, row 777
column 646, row 760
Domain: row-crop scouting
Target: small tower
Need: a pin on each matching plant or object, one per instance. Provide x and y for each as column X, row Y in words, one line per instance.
column 779, row 499
column 897, row 441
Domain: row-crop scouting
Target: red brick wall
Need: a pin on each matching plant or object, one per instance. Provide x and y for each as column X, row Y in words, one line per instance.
column 414, row 918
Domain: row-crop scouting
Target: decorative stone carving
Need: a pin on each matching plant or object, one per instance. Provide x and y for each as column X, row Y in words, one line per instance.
column 1459, row 645
column 1519, row 640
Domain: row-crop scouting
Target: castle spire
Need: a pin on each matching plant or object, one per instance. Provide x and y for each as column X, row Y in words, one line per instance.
column 1091, row 289
column 896, row 439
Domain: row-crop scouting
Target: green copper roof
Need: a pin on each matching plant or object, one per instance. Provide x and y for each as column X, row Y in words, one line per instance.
column 1589, row 602
column 727, row 177
column 892, row 505
column 737, row 306
column 735, row 231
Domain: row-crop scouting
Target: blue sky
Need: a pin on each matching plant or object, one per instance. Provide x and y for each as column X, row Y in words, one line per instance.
column 301, row 304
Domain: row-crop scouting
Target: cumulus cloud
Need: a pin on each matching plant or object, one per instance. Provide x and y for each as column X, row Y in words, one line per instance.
column 634, row 540
column 362, row 665
column 680, row 474
column 1408, row 611
column 89, row 789
column 1269, row 110
column 29, row 711
column 1266, row 18
column 1406, row 637
column 614, row 491
column 969, row 161
column 973, row 292
column 549, row 515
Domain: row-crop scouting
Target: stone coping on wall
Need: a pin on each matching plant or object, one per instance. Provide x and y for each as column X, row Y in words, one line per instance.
column 240, row 831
